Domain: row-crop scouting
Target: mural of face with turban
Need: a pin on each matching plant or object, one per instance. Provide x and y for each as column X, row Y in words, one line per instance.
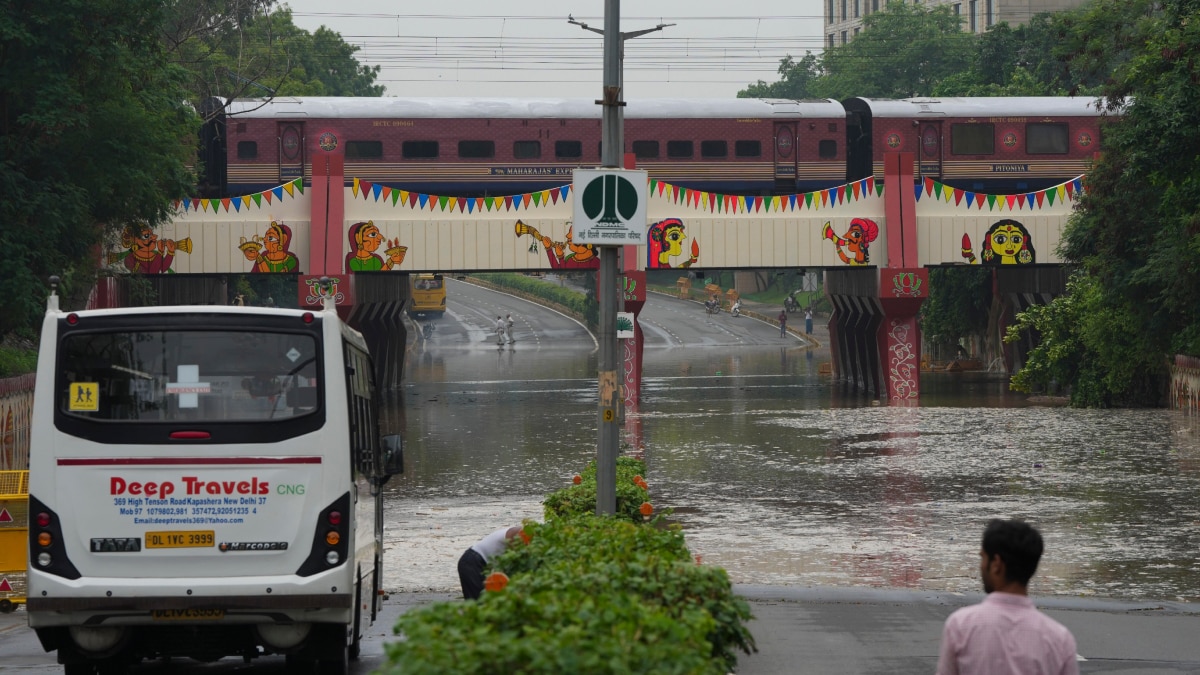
column 274, row 256
column 665, row 241
column 365, row 238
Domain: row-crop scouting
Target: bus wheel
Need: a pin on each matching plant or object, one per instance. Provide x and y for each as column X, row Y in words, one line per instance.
column 356, row 636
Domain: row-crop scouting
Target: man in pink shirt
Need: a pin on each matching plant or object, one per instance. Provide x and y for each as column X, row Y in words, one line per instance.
column 1005, row 634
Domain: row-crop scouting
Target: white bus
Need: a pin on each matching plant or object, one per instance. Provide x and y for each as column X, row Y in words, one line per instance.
column 205, row 481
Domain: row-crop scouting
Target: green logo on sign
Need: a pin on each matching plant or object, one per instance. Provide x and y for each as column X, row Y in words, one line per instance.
column 610, row 199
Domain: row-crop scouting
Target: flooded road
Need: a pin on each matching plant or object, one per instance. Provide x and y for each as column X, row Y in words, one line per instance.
column 784, row 479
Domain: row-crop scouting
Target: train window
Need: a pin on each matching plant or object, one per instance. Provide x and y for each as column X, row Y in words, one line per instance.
column 679, row 149
column 1046, row 139
column 645, row 149
column 247, row 149
column 420, row 149
column 827, row 149
column 527, row 149
column 747, row 148
column 364, row 149
column 476, row 149
column 568, row 149
column 972, row 139
column 714, row 149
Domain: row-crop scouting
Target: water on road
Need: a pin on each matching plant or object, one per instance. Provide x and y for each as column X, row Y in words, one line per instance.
column 783, row 478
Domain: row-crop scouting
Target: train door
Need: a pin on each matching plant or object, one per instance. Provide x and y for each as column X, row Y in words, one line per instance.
column 291, row 150
column 786, row 156
column 931, row 150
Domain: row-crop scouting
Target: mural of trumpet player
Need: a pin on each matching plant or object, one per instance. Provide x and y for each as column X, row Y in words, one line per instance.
column 853, row 247
column 146, row 253
column 562, row 254
column 365, row 239
column 270, row 253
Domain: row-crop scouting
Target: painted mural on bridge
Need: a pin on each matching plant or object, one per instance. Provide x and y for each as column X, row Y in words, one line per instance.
column 388, row 229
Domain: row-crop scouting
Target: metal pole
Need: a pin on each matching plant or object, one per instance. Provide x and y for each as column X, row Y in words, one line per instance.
column 612, row 144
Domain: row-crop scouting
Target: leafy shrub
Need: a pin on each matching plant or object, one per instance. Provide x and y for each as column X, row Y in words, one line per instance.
column 572, row 300
column 587, row 595
column 17, row 361
column 580, row 499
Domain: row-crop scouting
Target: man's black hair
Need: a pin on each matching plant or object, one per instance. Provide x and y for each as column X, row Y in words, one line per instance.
column 1018, row 544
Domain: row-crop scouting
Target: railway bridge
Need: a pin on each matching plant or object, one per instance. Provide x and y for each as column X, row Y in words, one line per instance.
column 873, row 239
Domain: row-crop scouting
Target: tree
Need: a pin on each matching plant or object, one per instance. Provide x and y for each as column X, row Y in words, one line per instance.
column 903, row 50
column 796, row 79
column 94, row 136
column 1136, row 233
column 957, row 307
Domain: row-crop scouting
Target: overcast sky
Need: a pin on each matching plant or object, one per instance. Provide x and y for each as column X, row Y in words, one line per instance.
column 526, row 48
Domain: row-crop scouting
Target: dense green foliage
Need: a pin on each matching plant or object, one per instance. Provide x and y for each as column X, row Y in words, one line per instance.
column 94, row 135
column 249, row 48
column 1136, row 234
column 957, row 307
column 580, row 499
column 16, row 360
column 587, row 595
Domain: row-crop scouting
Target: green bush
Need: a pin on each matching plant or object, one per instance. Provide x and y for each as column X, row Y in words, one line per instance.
column 581, row 499
column 587, row 595
column 17, row 361
column 573, row 300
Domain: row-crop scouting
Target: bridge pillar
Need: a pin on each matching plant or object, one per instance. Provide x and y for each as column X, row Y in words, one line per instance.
column 876, row 340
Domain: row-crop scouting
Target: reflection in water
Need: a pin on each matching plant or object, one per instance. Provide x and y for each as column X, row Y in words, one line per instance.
column 782, row 478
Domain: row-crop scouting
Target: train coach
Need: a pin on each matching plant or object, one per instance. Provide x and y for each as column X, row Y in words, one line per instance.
column 496, row 146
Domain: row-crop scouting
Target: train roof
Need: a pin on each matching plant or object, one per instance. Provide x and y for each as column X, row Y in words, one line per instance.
column 997, row 106
column 331, row 107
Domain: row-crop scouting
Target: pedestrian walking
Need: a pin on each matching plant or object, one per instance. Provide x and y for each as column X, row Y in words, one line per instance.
column 499, row 332
column 1005, row 634
column 808, row 321
column 508, row 327
column 475, row 559
column 782, row 323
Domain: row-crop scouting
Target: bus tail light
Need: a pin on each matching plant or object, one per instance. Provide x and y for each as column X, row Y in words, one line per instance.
column 46, row 544
column 331, row 538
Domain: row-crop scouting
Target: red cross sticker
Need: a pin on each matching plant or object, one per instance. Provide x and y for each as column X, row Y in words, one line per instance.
column 5, row 516
column 5, row 587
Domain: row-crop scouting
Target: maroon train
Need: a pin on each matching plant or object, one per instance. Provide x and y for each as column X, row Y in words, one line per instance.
column 482, row 146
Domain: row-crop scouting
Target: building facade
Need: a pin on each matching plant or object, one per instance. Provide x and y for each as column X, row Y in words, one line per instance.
column 844, row 18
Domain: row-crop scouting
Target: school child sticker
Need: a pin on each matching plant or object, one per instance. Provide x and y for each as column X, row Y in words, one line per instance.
column 85, row 397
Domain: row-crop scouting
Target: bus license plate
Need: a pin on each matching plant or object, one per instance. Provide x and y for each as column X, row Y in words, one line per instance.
column 187, row 614
column 180, row 539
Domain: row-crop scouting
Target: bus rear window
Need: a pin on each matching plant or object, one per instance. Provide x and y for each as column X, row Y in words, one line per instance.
column 188, row 375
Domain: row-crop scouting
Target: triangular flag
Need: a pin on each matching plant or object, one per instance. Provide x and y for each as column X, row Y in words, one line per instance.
column 376, row 190
column 553, row 196
column 257, row 197
column 841, row 194
column 712, row 201
column 947, row 193
column 808, row 197
column 354, row 188
column 970, row 199
column 479, row 203
column 917, row 192
column 991, row 199
column 387, row 193
column 396, row 195
column 488, row 201
column 288, row 187
column 225, row 203
column 870, row 184
column 196, row 204
column 237, row 205
column 958, row 195
column 457, row 202
column 856, row 186
column 1011, row 199
column 525, row 199
column 537, row 198
column 1040, row 196
column 929, row 186
column 441, row 201
column 508, row 203
column 879, row 189
column 792, row 202
column 566, row 190
column 421, row 198
column 1021, row 202
column 979, row 200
